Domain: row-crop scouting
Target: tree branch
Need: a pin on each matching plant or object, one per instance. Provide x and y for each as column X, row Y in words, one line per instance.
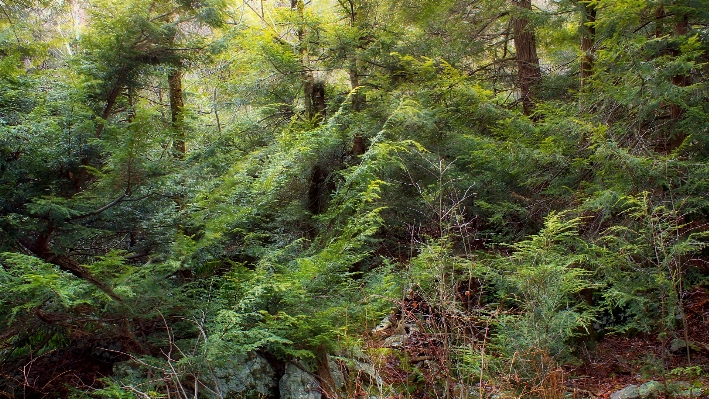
column 101, row 209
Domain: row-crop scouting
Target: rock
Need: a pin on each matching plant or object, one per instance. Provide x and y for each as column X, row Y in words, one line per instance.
column 366, row 377
column 412, row 328
column 651, row 389
column 383, row 325
column 691, row 393
column 629, row 392
column 298, row 384
column 366, row 371
column 337, row 375
column 358, row 366
column 358, row 354
column 676, row 387
column 246, row 376
column 463, row 391
column 395, row 341
column 679, row 346
column 656, row 389
column 683, row 389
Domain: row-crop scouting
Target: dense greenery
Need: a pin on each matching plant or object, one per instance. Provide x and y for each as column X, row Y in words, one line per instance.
column 185, row 182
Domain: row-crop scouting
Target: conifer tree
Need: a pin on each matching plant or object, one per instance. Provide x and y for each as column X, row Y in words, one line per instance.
column 528, row 70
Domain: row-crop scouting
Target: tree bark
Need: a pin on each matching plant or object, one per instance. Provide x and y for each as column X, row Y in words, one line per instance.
column 110, row 102
column 681, row 28
column 40, row 247
column 317, row 190
column 358, row 147
column 306, row 71
column 528, row 70
column 216, row 111
column 318, row 100
column 357, row 99
column 659, row 18
column 588, row 40
column 327, row 382
column 682, row 80
column 177, row 104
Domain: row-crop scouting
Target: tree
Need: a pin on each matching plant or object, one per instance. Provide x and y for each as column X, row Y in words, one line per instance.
column 528, row 70
column 183, row 183
column 588, row 40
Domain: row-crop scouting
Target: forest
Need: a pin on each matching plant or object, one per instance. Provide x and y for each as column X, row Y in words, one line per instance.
column 330, row 199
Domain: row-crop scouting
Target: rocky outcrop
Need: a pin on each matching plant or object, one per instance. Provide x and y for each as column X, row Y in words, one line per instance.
column 298, row 384
column 246, row 376
column 656, row 389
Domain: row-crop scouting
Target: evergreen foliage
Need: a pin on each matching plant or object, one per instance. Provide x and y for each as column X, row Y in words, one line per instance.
column 185, row 183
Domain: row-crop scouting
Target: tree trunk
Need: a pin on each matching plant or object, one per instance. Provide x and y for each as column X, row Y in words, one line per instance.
column 216, row 111
column 327, row 382
column 525, row 42
column 588, row 40
column 357, row 98
column 676, row 111
column 358, row 147
column 317, row 190
column 681, row 28
column 82, row 175
column 659, row 18
column 40, row 247
column 174, row 80
column 318, row 100
column 110, row 102
column 306, row 70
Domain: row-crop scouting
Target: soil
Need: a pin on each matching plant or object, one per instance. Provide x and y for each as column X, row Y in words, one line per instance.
column 604, row 367
column 618, row 361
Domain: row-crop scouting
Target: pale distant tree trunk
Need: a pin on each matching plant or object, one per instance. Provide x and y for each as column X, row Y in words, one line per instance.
column 177, row 104
column 314, row 103
column 528, row 70
column 318, row 99
column 588, row 40
column 357, row 100
column 307, row 77
column 216, row 111
column 358, row 147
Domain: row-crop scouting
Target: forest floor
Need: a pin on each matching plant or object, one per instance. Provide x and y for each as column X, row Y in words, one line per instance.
column 605, row 367
column 614, row 363
column 618, row 361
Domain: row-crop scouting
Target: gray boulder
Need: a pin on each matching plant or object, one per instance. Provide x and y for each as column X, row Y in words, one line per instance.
column 338, row 376
column 395, row 341
column 629, row 392
column 298, row 384
column 245, row 376
column 651, row 389
column 683, row 389
column 679, row 346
